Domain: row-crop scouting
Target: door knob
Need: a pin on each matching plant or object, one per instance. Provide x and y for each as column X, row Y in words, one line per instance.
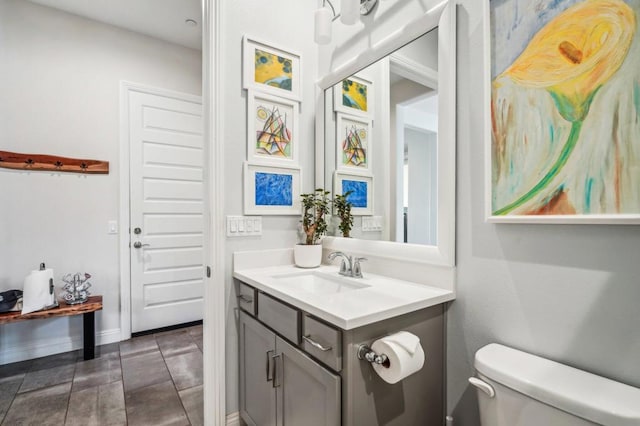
column 137, row 231
column 138, row 245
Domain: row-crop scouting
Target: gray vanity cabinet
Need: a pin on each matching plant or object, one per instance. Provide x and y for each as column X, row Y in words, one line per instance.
column 297, row 370
column 257, row 394
column 280, row 385
column 308, row 393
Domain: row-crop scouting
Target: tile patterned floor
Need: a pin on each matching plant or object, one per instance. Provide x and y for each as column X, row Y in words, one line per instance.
column 148, row 380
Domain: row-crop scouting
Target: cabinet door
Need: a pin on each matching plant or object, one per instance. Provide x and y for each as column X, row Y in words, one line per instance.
column 257, row 396
column 307, row 393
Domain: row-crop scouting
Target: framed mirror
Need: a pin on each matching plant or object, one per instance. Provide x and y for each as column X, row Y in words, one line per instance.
column 387, row 118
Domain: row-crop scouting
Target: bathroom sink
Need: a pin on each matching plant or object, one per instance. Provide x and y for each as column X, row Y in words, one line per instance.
column 317, row 282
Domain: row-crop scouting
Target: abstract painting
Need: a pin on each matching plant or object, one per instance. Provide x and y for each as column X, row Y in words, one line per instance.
column 353, row 150
column 565, row 111
column 361, row 188
column 271, row 128
column 358, row 192
column 271, row 190
column 271, row 69
column 353, row 96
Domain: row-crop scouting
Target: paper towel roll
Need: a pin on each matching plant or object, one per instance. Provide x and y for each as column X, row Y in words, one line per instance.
column 36, row 292
column 402, row 362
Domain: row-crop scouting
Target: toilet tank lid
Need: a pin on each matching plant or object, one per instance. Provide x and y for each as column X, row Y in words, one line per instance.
column 578, row 392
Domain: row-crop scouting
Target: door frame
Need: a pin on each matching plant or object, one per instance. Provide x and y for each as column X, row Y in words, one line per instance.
column 214, row 350
column 126, row 88
column 214, row 329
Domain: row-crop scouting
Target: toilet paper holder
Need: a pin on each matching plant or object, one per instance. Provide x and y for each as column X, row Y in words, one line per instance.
column 367, row 354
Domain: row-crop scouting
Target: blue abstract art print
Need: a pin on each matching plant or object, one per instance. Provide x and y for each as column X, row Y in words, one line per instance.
column 358, row 196
column 273, row 189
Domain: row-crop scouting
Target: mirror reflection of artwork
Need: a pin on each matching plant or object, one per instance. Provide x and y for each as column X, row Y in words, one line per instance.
column 354, row 143
column 354, row 94
column 273, row 189
column 361, row 191
column 565, row 108
column 358, row 195
column 354, row 152
column 402, row 121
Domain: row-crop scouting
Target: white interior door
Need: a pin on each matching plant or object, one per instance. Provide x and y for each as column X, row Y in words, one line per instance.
column 166, row 210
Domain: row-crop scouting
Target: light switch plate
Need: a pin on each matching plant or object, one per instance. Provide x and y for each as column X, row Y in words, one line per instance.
column 372, row 223
column 244, row 226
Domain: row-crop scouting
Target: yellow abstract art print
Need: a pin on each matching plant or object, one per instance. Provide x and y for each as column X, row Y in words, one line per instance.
column 565, row 110
column 354, row 96
column 271, row 69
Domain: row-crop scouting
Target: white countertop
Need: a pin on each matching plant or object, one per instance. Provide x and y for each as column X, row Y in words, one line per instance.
column 380, row 297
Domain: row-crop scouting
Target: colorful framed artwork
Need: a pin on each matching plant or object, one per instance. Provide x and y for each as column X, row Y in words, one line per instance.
column 565, row 111
column 353, row 144
column 270, row 69
column 271, row 190
column 354, row 95
column 361, row 196
column 272, row 128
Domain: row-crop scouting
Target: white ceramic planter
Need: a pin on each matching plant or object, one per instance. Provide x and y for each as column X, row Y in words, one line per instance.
column 307, row 256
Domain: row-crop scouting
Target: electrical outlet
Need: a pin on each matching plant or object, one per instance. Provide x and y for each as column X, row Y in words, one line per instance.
column 112, row 227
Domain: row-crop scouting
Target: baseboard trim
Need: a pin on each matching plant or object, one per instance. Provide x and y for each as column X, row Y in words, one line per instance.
column 233, row 419
column 37, row 348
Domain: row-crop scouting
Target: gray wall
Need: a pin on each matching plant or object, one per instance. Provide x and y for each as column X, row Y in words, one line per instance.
column 566, row 292
column 292, row 30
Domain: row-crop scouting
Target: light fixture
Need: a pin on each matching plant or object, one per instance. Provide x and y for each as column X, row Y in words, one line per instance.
column 349, row 11
column 191, row 22
column 323, row 17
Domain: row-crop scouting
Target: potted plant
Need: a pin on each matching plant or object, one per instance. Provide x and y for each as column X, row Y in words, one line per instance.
column 314, row 208
column 343, row 209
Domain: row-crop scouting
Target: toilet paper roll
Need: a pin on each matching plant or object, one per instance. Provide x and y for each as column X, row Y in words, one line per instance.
column 36, row 292
column 401, row 362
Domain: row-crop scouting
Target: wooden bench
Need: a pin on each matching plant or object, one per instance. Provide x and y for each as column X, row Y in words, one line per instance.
column 87, row 309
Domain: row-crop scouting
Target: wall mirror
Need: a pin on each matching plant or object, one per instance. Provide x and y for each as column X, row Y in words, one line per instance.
column 388, row 125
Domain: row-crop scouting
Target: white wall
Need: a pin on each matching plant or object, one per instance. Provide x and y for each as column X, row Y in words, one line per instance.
column 59, row 95
column 292, row 29
column 565, row 292
column 423, row 176
column 401, row 92
column 423, row 51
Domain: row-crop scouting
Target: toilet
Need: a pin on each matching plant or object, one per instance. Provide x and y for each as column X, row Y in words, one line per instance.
column 519, row 389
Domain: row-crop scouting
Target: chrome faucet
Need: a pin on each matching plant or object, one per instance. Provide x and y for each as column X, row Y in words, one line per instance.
column 349, row 267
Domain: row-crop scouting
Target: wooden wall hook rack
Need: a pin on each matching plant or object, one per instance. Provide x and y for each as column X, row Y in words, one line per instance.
column 51, row 163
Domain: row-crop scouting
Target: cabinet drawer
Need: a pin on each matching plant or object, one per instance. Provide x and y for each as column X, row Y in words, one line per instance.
column 323, row 342
column 247, row 299
column 282, row 318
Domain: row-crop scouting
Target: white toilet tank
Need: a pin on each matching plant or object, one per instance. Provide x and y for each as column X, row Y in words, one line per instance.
column 519, row 389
